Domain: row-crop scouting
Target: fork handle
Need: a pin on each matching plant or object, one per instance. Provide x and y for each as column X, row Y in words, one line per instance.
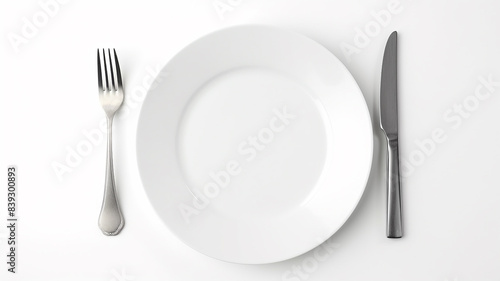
column 110, row 219
column 394, row 218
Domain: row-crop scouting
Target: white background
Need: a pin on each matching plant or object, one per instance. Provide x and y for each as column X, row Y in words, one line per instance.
column 48, row 95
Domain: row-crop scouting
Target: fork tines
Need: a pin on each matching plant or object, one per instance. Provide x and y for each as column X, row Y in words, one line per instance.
column 108, row 61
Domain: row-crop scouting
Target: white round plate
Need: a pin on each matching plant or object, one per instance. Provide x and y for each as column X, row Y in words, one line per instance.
column 254, row 144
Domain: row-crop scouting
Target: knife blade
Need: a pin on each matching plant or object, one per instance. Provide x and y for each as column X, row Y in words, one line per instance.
column 389, row 124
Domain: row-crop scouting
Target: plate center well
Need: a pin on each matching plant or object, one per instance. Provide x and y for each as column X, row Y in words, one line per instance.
column 252, row 142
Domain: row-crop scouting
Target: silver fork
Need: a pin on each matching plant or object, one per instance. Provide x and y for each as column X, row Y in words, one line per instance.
column 111, row 97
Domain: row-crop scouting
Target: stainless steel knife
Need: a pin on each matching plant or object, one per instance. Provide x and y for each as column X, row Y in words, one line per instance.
column 389, row 124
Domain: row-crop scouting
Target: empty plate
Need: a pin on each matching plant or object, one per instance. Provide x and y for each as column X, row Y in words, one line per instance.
column 255, row 144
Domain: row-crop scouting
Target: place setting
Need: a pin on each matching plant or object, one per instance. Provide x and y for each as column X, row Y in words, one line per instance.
column 258, row 145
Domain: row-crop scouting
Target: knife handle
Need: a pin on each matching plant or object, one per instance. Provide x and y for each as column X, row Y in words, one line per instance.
column 394, row 219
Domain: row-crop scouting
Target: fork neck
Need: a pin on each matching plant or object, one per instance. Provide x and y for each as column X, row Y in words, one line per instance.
column 109, row 118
